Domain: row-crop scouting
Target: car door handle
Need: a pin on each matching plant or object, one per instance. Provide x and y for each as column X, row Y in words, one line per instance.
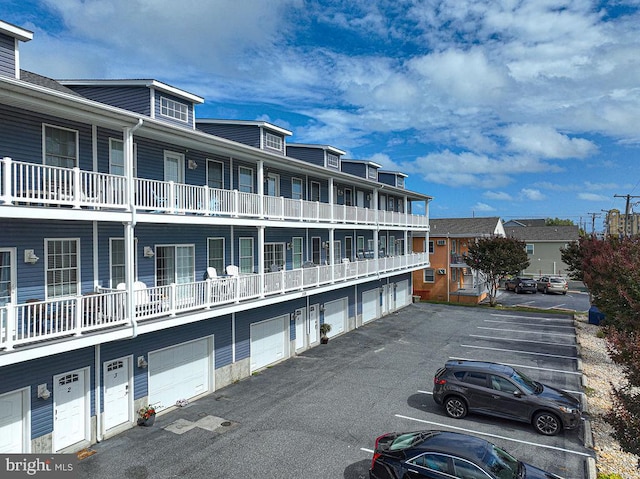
column 495, row 396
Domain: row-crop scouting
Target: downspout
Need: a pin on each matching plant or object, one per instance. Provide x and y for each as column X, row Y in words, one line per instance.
column 448, row 275
column 129, row 239
column 97, row 394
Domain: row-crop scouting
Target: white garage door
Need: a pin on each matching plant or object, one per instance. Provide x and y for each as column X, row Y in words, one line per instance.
column 268, row 341
column 13, row 423
column 335, row 314
column 370, row 301
column 179, row 372
column 402, row 294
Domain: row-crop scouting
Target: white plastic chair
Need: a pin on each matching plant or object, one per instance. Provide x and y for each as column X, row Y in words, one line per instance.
column 211, row 273
column 233, row 270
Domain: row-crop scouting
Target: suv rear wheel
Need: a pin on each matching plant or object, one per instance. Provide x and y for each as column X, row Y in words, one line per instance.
column 455, row 407
column 546, row 423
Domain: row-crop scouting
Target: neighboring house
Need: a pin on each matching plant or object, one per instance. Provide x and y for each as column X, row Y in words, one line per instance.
column 148, row 256
column 525, row 222
column 449, row 277
column 543, row 245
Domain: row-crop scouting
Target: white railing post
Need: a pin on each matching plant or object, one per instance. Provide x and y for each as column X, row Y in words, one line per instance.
column 235, row 204
column 209, row 297
column 79, row 316
column 171, row 198
column 10, row 326
column 172, row 299
column 282, row 207
column 77, row 197
column 6, row 181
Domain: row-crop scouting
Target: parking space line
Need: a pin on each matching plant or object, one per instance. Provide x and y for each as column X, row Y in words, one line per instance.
column 537, row 318
column 370, row 451
column 526, row 324
column 519, row 340
column 519, row 351
column 474, row 431
column 425, row 392
column 523, row 331
column 521, row 366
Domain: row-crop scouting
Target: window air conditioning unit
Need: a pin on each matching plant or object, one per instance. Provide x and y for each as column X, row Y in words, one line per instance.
column 442, row 242
column 442, row 271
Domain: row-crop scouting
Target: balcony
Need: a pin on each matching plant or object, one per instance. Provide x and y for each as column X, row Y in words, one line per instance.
column 73, row 317
column 33, row 184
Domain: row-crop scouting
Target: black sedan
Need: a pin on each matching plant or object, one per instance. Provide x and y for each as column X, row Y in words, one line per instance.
column 439, row 454
column 521, row 285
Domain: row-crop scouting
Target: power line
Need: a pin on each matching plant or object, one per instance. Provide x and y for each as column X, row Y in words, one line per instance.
column 627, row 213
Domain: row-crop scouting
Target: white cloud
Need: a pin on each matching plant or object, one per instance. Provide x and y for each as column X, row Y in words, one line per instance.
column 545, row 141
column 531, row 194
column 593, row 197
column 497, row 195
column 482, row 207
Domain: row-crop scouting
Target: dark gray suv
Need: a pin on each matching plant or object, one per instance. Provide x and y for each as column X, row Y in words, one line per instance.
column 499, row 390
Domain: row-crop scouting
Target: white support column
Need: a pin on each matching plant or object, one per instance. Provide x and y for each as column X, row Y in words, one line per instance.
column 261, row 178
column 261, row 258
column 331, row 197
column 331, row 254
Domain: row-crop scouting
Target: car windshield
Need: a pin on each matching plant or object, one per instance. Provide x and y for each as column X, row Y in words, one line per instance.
column 529, row 385
column 502, row 464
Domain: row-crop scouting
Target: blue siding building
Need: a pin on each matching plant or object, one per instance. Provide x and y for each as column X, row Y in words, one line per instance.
column 148, row 256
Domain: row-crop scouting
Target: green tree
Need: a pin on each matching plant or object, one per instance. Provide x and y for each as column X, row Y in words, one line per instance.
column 611, row 270
column 558, row 222
column 497, row 257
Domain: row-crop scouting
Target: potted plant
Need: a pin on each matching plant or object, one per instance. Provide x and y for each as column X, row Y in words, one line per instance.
column 147, row 416
column 324, row 329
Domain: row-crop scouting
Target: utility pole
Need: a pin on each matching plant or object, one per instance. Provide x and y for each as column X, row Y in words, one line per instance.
column 627, row 213
column 593, row 222
column 606, row 223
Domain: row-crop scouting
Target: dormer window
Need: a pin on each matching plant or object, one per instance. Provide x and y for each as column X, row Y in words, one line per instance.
column 372, row 174
column 273, row 141
column 333, row 161
column 173, row 109
column 400, row 182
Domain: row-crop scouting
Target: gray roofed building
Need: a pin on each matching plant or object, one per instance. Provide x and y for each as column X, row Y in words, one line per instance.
column 543, row 244
column 40, row 80
column 466, row 227
column 544, row 233
column 525, row 222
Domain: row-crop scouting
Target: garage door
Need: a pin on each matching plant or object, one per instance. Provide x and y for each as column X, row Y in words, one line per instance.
column 13, row 423
column 335, row 314
column 402, row 294
column 370, row 301
column 269, row 341
column 179, row 372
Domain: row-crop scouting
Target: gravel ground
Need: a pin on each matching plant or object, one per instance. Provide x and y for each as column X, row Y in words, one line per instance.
column 600, row 371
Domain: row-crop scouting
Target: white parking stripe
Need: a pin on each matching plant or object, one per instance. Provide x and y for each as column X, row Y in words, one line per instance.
column 523, row 331
column 537, row 318
column 521, row 366
column 425, row 392
column 370, row 451
column 520, row 340
column 493, row 435
column 518, row 351
column 526, row 324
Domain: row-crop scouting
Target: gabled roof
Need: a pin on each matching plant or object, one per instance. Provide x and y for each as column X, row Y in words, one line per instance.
column 258, row 123
column 466, row 227
column 40, row 80
column 329, row 148
column 362, row 162
column 15, row 31
column 526, row 222
column 148, row 83
column 544, row 233
column 397, row 173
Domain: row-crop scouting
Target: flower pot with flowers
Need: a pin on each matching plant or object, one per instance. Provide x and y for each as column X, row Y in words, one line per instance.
column 147, row 416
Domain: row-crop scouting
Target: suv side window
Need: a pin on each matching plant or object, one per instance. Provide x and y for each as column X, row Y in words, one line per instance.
column 501, row 384
column 479, row 379
column 459, row 375
column 435, row 462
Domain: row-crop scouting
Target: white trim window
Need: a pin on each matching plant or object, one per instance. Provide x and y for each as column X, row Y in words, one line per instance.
column 175, row 264
column 173, row 167
column 529, row 248
column 59, row 146
column 62, row 270
column 245, row 179
column 273, row 141
column 174, row 109
column 117, row 266
column 372, row 173
column 297, row 253
column 429, row 275
column 296, row 189
column 316, row 246
column 273, row 256
column 245, row 255
column 116, row 157
column 315, row 191
column 215, row 254
column 431, row 247
column 337, row 251
column 215, row 174
column 333, row 161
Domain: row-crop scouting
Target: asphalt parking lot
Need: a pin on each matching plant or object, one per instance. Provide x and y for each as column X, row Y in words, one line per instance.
column 317, row 415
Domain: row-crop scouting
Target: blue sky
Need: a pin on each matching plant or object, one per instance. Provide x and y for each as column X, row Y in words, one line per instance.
column 509, row 108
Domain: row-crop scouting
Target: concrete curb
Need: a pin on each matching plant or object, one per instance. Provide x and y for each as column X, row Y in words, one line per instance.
column 590, row 468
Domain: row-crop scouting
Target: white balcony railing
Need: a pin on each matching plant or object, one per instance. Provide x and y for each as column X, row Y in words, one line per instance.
column 36, row 184
column 39, row 321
